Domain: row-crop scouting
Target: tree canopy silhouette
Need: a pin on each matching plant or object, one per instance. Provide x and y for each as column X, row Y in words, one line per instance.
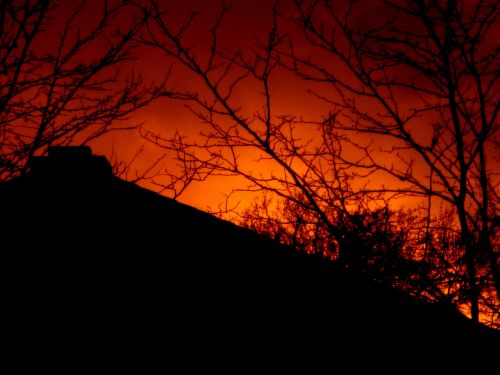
column 412, row 98
column 91, row 260
column 62, row 75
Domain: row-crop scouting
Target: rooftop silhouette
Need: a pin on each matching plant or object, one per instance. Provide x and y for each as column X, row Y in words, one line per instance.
column 91, row 257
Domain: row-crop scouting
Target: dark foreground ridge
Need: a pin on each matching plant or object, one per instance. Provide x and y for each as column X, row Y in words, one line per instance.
column 101, row 266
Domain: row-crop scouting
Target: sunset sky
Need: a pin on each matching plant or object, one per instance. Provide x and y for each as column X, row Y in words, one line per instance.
column 247, row 21
column 335, row 107
column 245, row 26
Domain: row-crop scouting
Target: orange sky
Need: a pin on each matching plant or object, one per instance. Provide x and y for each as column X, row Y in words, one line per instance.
column 247, row 22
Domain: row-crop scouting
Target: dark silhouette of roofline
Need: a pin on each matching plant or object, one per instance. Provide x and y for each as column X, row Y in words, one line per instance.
column 115, row 257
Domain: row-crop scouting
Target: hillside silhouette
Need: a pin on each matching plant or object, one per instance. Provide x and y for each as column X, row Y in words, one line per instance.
column 93, row 261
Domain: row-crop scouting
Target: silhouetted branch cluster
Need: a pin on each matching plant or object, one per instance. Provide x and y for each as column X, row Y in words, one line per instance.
column 413, row 108
column 61, row 76
column 436, row 56
column 391, row 246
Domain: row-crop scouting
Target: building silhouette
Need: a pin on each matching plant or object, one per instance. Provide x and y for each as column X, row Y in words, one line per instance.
column 103, row 267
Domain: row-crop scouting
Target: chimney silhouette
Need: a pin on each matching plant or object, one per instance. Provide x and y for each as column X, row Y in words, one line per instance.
column 71, row 162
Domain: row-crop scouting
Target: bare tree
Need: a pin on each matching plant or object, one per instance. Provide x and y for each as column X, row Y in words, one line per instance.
column 413, row 97
column 61, row 75
column 397, row 246
column 231, row 130
column 438, row 56
column 289, row 223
